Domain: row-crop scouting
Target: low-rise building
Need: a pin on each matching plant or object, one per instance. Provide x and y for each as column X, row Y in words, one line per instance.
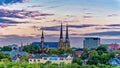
column 14, row 55
column 115, row 61
column 114, row 46
column 78, row 52
column 43, row 58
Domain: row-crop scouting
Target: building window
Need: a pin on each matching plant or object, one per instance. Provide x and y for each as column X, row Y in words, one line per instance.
column 61, row 58
column 34, row 60
column 45, row 58
column 38, row 60
column 66, row 59
column 30, row 60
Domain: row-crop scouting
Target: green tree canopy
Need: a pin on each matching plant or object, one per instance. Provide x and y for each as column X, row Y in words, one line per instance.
column 93, row 58
column 52, row 51
column 102, row 48
column 85, row 54
column 69, row 50
column 3, row 56
column 31, row 48
column 61, row 51
column 6, row 48
column 78, row 61
column 94, row 53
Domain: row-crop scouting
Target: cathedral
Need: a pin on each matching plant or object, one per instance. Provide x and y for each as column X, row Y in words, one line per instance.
column 63, row 44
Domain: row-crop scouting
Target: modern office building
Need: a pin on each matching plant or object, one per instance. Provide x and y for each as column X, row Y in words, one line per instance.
column 91, row 42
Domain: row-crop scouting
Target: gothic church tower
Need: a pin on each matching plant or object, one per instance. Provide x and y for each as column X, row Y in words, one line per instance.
column 61, row 40
column 64, row 44
column 42, row 41
column 67, row 41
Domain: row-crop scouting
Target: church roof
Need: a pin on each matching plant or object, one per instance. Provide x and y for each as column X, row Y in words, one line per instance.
column 47, row 44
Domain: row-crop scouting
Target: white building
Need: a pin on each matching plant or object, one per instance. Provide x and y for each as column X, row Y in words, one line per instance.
column 52, row 58
column 91, row 42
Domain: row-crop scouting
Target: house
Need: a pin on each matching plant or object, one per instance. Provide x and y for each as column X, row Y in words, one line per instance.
column 43, row 58
column 30, row 56
column 16, row 58
column 115, row 61
column 12, row 54
column 112, row 47
column 78, row 52
column 15, row 55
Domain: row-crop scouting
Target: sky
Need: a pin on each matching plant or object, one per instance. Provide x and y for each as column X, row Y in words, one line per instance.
column 23, row 20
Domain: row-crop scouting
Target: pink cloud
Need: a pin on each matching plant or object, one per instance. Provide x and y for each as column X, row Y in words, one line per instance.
column 111, row 15
column 34, row 6
column 5, row 25
column 87, row 16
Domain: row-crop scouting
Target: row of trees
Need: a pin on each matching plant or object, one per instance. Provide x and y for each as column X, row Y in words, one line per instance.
column 97, row 56
column 35, row 48
column 5, row 48
column 31, row 48
column 50, row 65
column 4, row 56
column 117, row 51
column 59, row 51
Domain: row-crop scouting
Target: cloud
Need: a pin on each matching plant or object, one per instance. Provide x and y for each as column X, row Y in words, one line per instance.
column 6, row 2
column 82, row 26
column 57, row 28
column 51, row 7
column 5, row 25
column 9, row 21
column 52, row 28
column 87, row 16
column 10, row 13
column 21, row 13
column 46, row 14
column 85, row 9
column 14, row 39
column 113, row 25
column 112, row 15
column 108, row 33
column 6, row 15
column 35, row 6
column 102, row 28
column 88, row 13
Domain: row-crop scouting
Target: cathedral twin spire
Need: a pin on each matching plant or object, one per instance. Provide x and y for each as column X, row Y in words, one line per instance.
column 64, row 44
column 61, row 44
column 61, row 32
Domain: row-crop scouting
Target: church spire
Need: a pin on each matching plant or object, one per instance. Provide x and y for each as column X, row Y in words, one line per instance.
column 61, row 40
column 61, row 32
column 67, row 35
column 42, row 38
column 42, row 34
column 42, row 41
column 67, row 41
